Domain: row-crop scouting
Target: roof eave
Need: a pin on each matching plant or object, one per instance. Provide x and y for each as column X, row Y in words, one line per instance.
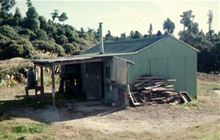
column 172, row 36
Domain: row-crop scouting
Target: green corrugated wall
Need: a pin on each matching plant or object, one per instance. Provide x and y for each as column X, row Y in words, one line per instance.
column 169, row 59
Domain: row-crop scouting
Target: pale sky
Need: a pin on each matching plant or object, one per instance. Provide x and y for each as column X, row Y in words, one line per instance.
column 124, row 16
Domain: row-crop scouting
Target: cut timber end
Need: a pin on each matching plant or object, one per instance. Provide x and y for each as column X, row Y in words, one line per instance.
column 185, row 96
column 135, row 103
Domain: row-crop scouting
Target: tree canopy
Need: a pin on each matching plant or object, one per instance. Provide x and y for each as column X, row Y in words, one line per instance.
column 6, row 5
column 168, row 26
column 40, row 35
column 63, row 17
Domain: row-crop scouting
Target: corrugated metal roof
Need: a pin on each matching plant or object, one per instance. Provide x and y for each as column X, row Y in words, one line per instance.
column 75, row 59
column 126, row 46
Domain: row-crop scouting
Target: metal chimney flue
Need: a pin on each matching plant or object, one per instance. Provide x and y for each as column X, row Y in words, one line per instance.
column 101, row 39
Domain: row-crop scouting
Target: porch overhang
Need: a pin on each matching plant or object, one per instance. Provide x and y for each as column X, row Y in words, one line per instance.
column 75, row 60
column 65, row 61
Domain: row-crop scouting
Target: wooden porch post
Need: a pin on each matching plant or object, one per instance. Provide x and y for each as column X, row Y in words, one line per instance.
column 35, row 73
column 35, row 79
column 53, row 85
column 41, row 81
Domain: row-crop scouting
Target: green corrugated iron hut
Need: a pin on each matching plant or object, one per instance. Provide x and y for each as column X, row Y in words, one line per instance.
column 163, row 56
column 104, row 71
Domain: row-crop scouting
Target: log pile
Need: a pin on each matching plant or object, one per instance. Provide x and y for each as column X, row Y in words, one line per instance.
column 151, row 89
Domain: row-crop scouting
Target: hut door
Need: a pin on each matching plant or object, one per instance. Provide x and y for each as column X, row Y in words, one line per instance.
column 94, row 80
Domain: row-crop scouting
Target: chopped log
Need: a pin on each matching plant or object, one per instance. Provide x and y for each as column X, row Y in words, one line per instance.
column 155, row 89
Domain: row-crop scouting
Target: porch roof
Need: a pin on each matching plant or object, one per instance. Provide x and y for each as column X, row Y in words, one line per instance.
column 86, row 58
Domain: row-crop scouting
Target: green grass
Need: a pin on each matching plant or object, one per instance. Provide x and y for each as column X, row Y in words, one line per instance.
column 210, row 131
column 194, row 104
column 206, row 87
column 13, row 130
column 26, row 128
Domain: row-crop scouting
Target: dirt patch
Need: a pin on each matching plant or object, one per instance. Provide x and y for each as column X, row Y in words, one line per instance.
column 152, row 119
column 208, row 77
column 47, row 114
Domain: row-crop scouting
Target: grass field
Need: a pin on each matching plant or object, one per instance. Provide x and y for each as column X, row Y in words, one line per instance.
column 198, row 120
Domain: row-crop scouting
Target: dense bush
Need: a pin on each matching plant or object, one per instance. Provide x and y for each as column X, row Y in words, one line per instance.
column 62, row 39
column 17, row 48
column 27, row 32
column 14, row 68
column 19, row 34
column 45, row 35
column 49, row 46
column 8, row 31
column 70, row 49
column 32, row 24
column 40, row 35
column 3, row 40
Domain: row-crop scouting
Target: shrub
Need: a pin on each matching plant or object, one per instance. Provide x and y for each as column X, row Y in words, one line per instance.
column 41, row 35
column 8, row 31
column 29, row 128
column 17, row 48
column 32, row 24
column 62, row 39
column 49, row 46
column 14, row 70
column 11, row 22
column 70, row 49
column 60, row 31
column 13, row 50
column 3, row 40
column 50, row 29
column 26, row 32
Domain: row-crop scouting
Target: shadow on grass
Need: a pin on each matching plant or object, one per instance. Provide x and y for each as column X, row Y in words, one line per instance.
column 41, row 109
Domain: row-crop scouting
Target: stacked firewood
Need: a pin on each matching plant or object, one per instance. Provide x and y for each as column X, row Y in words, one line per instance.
column 153, row 89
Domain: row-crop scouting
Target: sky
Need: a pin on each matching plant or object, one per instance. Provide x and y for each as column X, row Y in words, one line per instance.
column 124, row 16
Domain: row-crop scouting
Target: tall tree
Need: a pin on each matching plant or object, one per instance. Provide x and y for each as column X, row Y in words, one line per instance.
column 55, row 14
column 150, row 31
column 168, row 26
column 82, row 33
column 137, row 35
column 159, row 33
column 210, row 18
column 187, row 19
column 109, row 36
column 131, row 34
column 201, row 33
column 31, row 20
column 195, row 28
column 29, row 3
column 123, row 36
column 17, row 16
column 31, row 13
column 63, row 17
column 6, row 5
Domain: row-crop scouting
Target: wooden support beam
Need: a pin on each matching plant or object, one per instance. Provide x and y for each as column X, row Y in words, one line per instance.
column 42, row 81
column 53, row 85
column 35, row 79
column 35, row 73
